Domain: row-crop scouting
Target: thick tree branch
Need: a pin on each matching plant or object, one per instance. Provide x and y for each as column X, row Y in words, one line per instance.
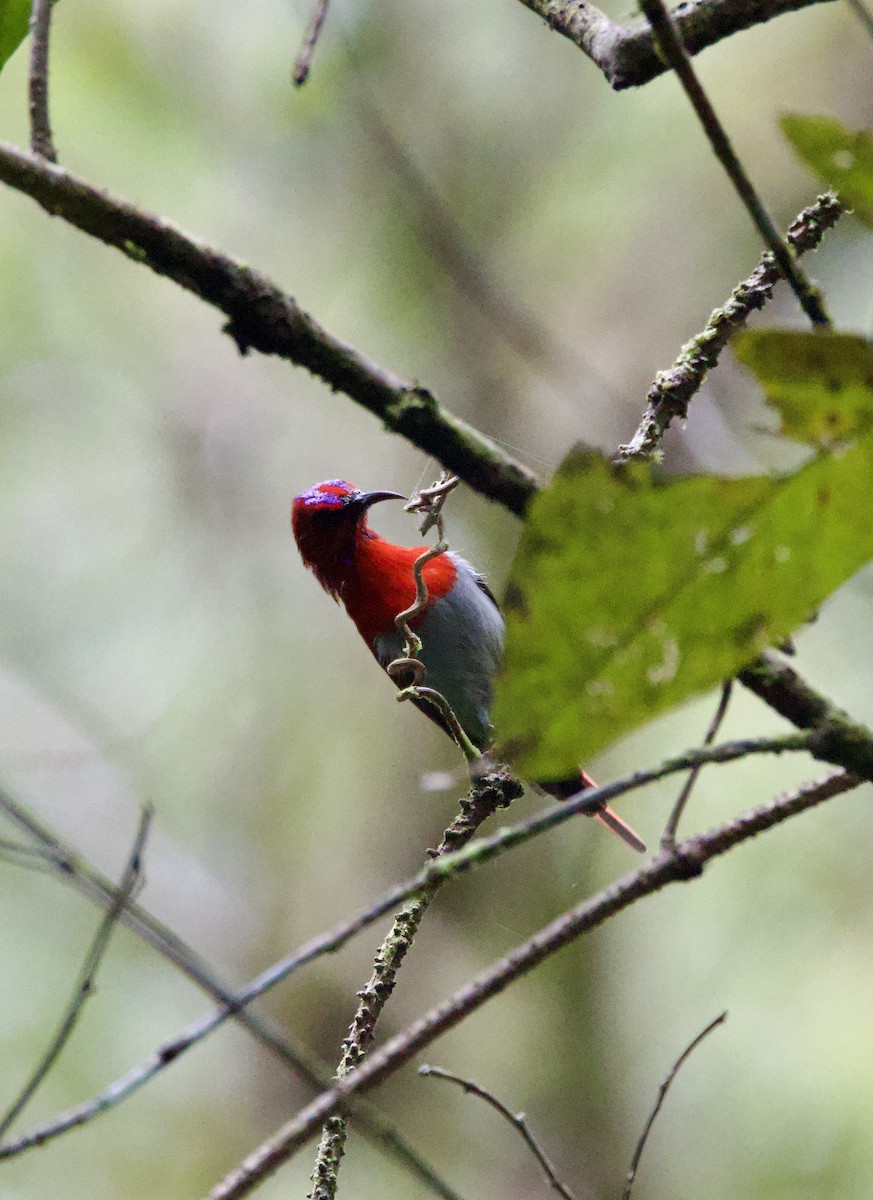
column 684, row 863
column 788, row 693
column 627, row 55
column 261, row 316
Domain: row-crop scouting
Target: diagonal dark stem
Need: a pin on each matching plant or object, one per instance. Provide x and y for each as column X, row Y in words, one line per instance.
column 85, row 983
column 261, row 316
column 674, row 51
column 73, row 868
column 685, row 863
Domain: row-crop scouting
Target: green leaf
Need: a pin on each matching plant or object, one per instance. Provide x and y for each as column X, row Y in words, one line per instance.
column 821, row 383
column 631, row 593
column 14, row 18
column 841, row 158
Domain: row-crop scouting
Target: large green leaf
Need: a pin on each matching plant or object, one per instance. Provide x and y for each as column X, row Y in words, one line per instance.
column 631, row 593
column 14, row 17
column 841, row 158
column 821, row 383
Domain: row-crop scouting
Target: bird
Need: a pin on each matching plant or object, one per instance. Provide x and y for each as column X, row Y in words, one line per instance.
column 461, row 629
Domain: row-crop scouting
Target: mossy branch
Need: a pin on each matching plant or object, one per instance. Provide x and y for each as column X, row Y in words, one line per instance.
column 262, row 316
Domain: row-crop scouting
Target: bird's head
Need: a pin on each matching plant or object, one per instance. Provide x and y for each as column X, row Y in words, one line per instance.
column 328, row 519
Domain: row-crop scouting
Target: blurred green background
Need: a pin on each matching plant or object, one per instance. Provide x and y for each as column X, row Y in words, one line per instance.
column 161, row 640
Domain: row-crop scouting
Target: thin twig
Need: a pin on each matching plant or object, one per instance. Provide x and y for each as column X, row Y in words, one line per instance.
column 517, row 1120
column 673, row 49
column 36, row 857
column 41, row 141
column 673, row 389
column 73, row 868
column 662, row 1093
column 685, row 863
column 84, row 988
column 668, row 837
column 487, row 794
column 303, row 62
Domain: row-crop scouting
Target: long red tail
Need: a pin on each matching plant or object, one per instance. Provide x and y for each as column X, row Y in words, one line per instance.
column 563, row 789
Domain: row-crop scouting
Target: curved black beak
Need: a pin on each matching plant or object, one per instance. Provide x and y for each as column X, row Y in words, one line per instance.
column 367, row 498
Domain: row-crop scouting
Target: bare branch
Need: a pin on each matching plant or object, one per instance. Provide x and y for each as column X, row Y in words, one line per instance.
column 685, row 863
column 261, row 316
column 673, row 389
column 662, row 1093
column 303, row 62
column 517, row 1120
column 85, row 984
column 454, row 856
column 269, row 1032
column 627, row 55
column 41, row 141
column 36, row 857
column 669, row 42
column 668, row 837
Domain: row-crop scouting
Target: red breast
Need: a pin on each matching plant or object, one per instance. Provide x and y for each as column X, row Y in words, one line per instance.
column 381, row 583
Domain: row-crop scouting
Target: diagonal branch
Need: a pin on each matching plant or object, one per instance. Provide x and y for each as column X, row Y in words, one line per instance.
column 670, row 44
column 627, row 54
column 684, row 863
column 261, row 316
column 517, row 1120
column 84, row 988
column 462, row 855
column 72, row 867
column 673, row 389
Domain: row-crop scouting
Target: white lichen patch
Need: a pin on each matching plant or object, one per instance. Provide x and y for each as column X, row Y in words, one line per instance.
column 741, row 534
column 843, row 160
column 599, row 687
column 701, row 542
column 781, row 554
column 715, row 566
column 665, row 671
column 602, row 639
